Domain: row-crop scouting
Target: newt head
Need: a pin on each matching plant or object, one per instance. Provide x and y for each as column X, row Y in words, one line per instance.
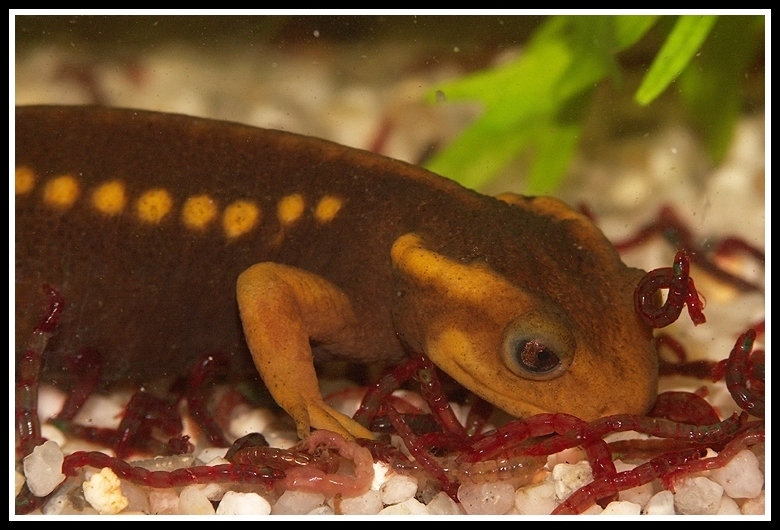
column 542, row 339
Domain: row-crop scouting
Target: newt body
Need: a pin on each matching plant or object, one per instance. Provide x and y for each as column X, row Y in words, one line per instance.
column 145, row 222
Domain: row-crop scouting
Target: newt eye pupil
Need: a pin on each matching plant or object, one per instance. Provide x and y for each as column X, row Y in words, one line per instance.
column 536, row 357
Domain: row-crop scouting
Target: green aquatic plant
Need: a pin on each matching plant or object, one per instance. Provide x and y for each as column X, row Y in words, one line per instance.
column 537, row 103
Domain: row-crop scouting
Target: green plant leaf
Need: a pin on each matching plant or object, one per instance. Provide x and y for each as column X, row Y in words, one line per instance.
column 521, row 100
column 681, row 45
column 715, row 79
column 516, row 97
column 535, row 105
column 630, row 28
column 555, row 145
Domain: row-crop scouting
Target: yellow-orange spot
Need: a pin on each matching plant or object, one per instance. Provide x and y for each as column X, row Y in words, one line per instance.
column 153, row 205
column 110, row 198
column 198, row 212
column 290, row 209
column 25, row 180
column 327, row 208
column 239, row 218
column 61, row 192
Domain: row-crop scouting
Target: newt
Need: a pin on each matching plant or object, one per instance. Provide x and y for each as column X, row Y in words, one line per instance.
column 170, row 236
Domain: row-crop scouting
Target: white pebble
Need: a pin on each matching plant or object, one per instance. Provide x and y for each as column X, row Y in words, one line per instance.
column 213, row 491
column 662, row 503
column 537, row 499
column 567, row 456
column 50, row 402
column 235, row 503
column 43, row 468
column 137, row 498
column 755, row 506
column 297, row 503
column 210, row 453
column 496, row 498
column 103, row 492
column 18, row 482
column 53, row 434
column 408, row 507
column 255, row 420
column 281, row 438
column 740, row 478
column 398, row 488
column 370, row 503
column 622, row 508
column 728, row 506
column 568, row 478
column 322, row 510
column 442, row 504
column 103, row 410
column 164, row 501
column 697, row 496
column 381, row 469
column 192, row 501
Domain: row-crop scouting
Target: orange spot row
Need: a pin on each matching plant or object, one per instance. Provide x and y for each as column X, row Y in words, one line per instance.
column 198, row 212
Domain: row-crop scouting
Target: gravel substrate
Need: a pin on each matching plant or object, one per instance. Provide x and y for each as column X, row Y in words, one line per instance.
column 356, row 99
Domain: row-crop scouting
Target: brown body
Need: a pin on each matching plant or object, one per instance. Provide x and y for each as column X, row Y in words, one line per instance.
column 145, row 221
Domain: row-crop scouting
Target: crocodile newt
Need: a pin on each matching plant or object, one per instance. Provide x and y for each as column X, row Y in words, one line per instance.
column 170, row 236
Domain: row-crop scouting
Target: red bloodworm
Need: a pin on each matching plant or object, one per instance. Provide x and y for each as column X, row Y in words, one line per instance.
column 169, row 479
column 586, row 496
column 478, row 416
column 376, row 395
column 675, row 231
column 736, row 380
column 28, row 425
column 86, row 367
column 388, row 453
column 519, row 469
column 640, row 449
column 97, row 435
column 755, row 433
column 445, row 440
column 657, row 427
column 514, row 433
column 308, row 478
column 253, row 439
column 420, row 423
column 420, row 453
column 379, row 143
column 283, row 459
column 178, row 445
column 728, row 246
column 431, row 390
column 144, row 413
column 507, row 441
column 663, row 340
column 203, row 371
column 698, row 369
column 141, row 441
column 681, row 291
column 684, row 407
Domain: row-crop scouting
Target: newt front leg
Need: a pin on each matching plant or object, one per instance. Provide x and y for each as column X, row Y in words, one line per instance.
column 283, row 309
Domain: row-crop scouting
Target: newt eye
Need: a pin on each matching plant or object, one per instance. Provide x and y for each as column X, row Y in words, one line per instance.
column 537, row 347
